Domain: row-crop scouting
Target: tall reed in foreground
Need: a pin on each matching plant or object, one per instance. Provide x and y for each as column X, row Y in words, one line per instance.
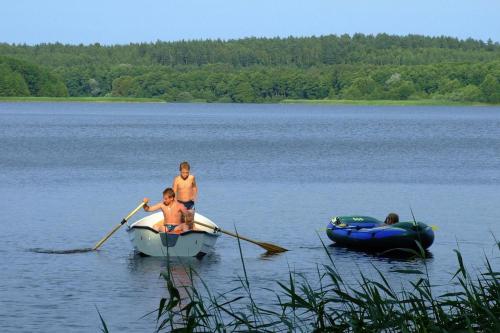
column 330, row 304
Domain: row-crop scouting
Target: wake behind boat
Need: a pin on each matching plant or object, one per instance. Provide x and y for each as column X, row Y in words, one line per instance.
column 192, row 243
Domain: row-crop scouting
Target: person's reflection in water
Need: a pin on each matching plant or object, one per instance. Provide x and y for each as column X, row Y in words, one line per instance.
column 181, row 276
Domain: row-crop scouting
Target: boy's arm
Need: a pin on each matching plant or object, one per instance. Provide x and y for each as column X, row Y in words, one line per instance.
column 195, row 189
column 148, row 208
column 174, row 185
column 183, row 209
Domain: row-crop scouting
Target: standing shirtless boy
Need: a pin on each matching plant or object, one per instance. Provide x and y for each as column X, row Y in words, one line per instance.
column 186, row 190
column 172, row 212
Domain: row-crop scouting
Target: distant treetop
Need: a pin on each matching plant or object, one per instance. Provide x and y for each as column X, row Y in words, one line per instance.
column 381, row 49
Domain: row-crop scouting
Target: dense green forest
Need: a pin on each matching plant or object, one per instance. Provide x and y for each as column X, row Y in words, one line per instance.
column 358, row 67
column 21, row 78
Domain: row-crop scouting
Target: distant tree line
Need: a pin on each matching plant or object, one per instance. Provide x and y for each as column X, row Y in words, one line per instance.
column 21, row 78
column 266, row 70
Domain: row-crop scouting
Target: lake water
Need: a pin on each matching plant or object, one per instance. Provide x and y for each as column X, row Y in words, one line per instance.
column 70, row 172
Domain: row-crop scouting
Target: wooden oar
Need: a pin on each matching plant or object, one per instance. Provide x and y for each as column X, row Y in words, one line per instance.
column 98, row 245
column 271, row 248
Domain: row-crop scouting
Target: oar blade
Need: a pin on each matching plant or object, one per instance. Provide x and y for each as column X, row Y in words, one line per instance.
column 272, row 248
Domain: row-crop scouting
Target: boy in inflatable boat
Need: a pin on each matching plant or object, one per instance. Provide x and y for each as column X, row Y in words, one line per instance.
column 392, row 218
column 172, row 213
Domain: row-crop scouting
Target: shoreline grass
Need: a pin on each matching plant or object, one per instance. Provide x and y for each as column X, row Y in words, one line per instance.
column 414, row 102
column 83, row 99
column 419, row 102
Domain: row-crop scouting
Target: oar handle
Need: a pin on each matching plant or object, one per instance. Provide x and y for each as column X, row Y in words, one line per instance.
column 125, row 219
column 98, row 245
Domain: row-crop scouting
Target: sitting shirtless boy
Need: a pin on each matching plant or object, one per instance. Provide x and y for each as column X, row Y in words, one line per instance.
column 172, row 213
column 186, row 190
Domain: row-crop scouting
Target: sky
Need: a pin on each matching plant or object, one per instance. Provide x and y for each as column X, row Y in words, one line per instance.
column 125, row 21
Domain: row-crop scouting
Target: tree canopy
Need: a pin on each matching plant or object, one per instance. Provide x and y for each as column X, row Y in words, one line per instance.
column 263, row 69
column 21, row 78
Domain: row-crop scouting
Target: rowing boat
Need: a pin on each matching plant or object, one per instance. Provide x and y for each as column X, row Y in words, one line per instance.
column 193, row 243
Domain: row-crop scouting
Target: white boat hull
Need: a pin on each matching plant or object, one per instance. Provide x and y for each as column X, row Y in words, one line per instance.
column 193, row 243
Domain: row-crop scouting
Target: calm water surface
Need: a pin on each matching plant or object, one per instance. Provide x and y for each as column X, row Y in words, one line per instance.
column 70, row 172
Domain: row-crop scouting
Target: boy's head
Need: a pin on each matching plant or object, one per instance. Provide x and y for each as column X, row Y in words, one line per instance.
column 168, row 195
column 392, row 218
column 184, row 169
